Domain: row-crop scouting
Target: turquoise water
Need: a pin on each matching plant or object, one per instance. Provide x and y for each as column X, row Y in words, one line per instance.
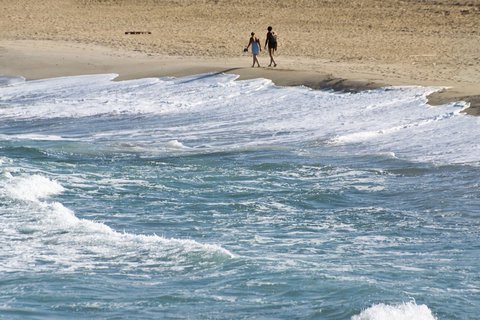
column 209, row 198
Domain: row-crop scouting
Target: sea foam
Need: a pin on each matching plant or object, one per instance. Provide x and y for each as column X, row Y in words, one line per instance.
column 404, row 311
column 47, row 231
column 217, row 112
column 32, row 188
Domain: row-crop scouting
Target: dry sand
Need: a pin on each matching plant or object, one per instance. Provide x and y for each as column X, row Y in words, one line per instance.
column 344, row 44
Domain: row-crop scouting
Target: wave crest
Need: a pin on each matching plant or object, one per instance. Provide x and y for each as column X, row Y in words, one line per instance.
column 404, row 311
column 32, row 188
column 50, row 236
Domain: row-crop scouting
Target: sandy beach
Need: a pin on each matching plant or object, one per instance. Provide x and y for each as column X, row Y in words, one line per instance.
column 345, row 45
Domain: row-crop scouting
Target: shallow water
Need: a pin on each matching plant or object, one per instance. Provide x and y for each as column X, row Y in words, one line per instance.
column 205, row 197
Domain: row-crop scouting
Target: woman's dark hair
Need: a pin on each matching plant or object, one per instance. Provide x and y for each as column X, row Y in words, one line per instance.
column 269, row 28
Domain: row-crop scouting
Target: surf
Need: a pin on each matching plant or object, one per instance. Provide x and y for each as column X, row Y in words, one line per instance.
column 405, row 311
column 48, row 231
column 220, row 112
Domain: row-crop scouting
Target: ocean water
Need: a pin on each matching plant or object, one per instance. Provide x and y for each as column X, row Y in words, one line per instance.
column 205, row 197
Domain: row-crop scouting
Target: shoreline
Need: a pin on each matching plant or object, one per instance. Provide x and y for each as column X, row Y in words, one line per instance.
column 38, row 59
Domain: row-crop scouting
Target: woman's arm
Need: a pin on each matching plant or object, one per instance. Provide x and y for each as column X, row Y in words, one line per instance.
column 250, row 42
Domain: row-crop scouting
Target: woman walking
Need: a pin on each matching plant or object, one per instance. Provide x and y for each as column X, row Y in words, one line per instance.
column 256, row 48
column 271, row 42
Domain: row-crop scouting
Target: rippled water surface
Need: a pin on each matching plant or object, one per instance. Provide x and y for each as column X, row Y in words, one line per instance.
column 209, row 198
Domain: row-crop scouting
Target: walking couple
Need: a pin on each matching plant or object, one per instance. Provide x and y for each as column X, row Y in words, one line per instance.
column 270, row 41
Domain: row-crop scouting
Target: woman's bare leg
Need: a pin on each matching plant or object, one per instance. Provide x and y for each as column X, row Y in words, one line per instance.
column 256, row 60
column 270, row 52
